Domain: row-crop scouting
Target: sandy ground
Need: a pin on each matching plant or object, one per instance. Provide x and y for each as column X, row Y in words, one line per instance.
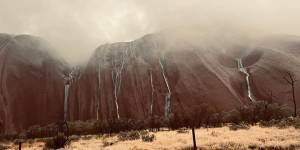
column 213, row 138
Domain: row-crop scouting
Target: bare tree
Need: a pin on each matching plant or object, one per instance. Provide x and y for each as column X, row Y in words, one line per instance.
column 271, row 97
column 291, row 80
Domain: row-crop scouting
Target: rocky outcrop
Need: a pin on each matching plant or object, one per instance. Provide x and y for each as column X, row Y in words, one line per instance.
column 157, row 76
column 268, row 73
column 149, row 76
column 32, row 88
column 153, row 75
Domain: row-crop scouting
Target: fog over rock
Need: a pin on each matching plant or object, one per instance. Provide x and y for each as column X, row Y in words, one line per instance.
column 77, row 27
column 141, row 58
column 155, row 74
column 138, row 79
column 31, row 82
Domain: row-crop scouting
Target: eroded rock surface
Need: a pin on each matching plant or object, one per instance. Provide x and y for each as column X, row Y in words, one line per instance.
column 155, row 76
column 149, row 76
column 31, row 90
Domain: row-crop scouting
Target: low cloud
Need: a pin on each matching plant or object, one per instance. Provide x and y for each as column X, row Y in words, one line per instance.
column 77, row 27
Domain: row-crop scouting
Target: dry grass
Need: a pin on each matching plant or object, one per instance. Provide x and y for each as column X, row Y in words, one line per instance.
column 214, row 138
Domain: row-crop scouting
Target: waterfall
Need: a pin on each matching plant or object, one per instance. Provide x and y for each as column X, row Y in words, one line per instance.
column 244, row 71
column 69, row 78
column 67, row 86
column 168, row 96
column 117, row 78
column 152, row 93
column 99, row 90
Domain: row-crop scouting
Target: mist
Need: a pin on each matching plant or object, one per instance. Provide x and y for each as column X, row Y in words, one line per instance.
column 77, row 27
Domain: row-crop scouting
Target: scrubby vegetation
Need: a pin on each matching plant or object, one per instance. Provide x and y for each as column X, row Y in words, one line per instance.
column 256, row 112
column 267, row 114
column 59, row 141
column 106, row 143
column 255, row 137
column 3, row 147
column 147, row 137
column 135, row 135
column 183, row 130
column 282, row 123
column 262, row 113
column 132, row 135
column 238, row 126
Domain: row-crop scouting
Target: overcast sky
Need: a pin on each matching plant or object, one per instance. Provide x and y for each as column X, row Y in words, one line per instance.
column 77, row 27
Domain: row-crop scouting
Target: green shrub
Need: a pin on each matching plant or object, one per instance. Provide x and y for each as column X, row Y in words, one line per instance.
column 297, row 123
column 4, row 147
column 235, row 127
column 270, row 123
column 282, row 123
column 131, row 135
column 144, row 132
column 183, row 130
column 59, row 141
column 258, row 111
column 40, row 132
column 288, row 122
column 74, row 138
column 81, row 127
column 106, row 143
column 148, row 137
column 9, row 137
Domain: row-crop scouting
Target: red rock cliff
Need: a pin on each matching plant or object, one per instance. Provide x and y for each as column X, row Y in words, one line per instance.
column 149, row 76
column 156, row 76
column 31, row 90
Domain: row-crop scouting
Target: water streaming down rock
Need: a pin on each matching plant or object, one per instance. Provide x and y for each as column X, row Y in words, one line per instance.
column 168, row 95
column 118, row 66
column 67, row 86
column 189, row 78
column 69, row 78
column 152, row 94
column 99, row 89
column 32, row 79
column 156, row 78
column 244, row 71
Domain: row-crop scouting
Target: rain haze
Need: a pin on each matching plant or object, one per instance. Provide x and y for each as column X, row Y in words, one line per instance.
column 76, row 27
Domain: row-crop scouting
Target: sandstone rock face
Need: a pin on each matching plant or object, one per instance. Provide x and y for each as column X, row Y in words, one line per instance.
column 31, row 83
column 155, row 76
column 152, row 75
column 281, row 55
